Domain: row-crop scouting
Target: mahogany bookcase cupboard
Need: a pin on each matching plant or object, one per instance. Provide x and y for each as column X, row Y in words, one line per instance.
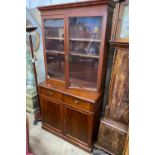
column 75, row 42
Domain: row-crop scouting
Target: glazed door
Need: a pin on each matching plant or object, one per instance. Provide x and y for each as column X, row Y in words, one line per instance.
column 51, row 113
column 54, row 48
column 84, row 50
column 76, row 125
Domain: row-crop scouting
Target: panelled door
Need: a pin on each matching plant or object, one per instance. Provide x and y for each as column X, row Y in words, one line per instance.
column 51, row 113
column 77, row 125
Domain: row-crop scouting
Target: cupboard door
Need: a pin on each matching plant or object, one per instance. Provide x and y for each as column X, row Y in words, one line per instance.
column 76, row 124
column 54, row 48
column 112, row 136
column 84, row 51
column 50, row 113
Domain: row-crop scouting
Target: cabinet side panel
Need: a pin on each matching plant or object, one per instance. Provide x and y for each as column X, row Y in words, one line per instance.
column 106, row 50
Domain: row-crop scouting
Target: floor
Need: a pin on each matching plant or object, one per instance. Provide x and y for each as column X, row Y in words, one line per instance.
column 45, row 143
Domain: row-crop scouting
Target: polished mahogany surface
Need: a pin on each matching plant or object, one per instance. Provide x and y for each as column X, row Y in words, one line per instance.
column 75, row 43
column 50, row 112
column 86, row 95
column 77, row 4
column 64, row 115
column 77, row 124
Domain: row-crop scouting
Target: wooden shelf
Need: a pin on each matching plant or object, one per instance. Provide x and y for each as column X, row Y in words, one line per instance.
column 85, row 40
column 54, row 38
column 73, row 54
column 51, row 51
column 84, row 55
column 75, row 39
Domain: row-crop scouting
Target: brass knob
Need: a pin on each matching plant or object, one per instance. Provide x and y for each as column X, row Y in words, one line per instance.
column 50, row 93
column 76, row 101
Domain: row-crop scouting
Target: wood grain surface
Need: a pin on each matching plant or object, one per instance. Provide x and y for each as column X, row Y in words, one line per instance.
column 118, row 107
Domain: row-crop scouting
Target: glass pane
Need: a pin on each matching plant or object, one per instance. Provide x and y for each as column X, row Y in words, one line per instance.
column 54, row 44
column 125, row 24
column 85, row 27
column 55, row 65
column 54, row 34
column 87, row 48
column 83, row 72
column 84, row 49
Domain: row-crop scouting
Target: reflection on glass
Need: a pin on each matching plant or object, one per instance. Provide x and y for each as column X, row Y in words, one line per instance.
column 83, row 72
column 85, row 27
column 55, row 65
column 85, row 35
column 125, row 24
column 54, row 34
column 54, row 28
column 54, row 44
column 88, row 48
column 84, row 49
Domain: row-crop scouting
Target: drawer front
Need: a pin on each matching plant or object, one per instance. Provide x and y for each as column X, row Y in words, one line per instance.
column 50, row 93
column 77, row 103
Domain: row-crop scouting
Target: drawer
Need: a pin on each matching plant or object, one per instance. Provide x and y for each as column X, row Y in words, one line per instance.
column 78, row 103
column 50, row 93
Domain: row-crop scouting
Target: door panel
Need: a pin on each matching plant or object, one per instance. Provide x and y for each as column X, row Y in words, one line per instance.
column 84, row 50
column 51, row 113
column 77, row 124
column 54, row 48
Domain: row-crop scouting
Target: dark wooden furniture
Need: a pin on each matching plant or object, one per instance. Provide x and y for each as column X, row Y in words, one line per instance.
column 112, row 136
column 75, row 41
column 114, row 125
column 126, row 146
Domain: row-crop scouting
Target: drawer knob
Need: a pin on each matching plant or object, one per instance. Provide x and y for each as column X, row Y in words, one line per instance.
column 76, row 101
column 50, row 93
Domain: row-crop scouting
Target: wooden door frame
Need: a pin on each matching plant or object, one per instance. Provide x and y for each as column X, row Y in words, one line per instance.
column 48, row 17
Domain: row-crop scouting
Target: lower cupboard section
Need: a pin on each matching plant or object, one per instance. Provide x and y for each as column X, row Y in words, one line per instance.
column 69, row 123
